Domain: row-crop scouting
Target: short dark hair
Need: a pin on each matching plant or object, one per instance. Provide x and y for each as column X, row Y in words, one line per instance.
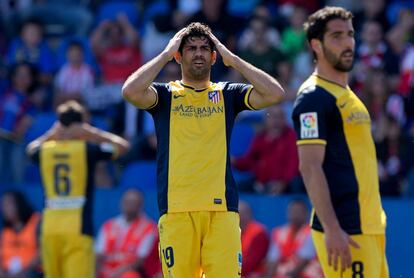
column 299, row 201
column 34, row 73
column 315, row 26
column 23, row 207
column 198, row 30
column 70, row 112
column 31, row 21
column 75, row 44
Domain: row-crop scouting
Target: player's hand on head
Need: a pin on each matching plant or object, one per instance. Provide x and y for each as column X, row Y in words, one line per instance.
column 338, row 244
column 226, row 55
column 174, row 43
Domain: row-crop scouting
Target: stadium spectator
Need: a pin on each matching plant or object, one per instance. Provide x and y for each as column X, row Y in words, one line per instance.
column 248, row 36
column 289, row 82
column 371, row 11
column 19, row 249
column 291, row 253
column 214, row 14
column 406, row 82
column 255, row 243
column 399, row 34
column 293, row 36
column 395, row 158
column 373, row 53
column 12, row 11
column 16, row 114
column 125, row 245
column 67, row 154
column 75, row 78
column 375, row 95
column 115, row 43
column 226, row 26
column 272, row 156
column 260, row 51
column 309, row 5
column 31, row 47
column 63, row 16
column 143, row 147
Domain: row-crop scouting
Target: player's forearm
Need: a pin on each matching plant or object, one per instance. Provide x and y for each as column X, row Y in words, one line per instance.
column 318, row 191
column 264, row 84
column 138, row 82
column 99, row 136
column 35, row 144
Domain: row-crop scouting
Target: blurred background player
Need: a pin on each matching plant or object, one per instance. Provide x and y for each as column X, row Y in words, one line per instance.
column 255, row 242
column 292, row 253
column 197, row 194
column 337, row 157
column 19, row 248
column 67, row 155
column 127, row 245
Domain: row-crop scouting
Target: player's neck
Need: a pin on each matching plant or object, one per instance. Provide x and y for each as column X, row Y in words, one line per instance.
column 331, row 74
column 196, row 84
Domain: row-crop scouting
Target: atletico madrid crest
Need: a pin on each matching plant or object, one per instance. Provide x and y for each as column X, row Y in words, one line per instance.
column 214, row 96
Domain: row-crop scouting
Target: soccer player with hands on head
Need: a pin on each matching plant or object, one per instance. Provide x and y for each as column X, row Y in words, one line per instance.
column 197, row 194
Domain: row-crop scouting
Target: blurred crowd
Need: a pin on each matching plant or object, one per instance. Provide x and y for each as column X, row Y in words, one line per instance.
column 127, row 244
column 55, row 50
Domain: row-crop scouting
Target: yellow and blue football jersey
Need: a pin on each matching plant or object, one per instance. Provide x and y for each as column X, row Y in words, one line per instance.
column 329, row 114
column 193, row 129
column 67, row 171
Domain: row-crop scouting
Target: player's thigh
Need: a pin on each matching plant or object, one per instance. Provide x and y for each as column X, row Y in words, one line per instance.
column 180, row 245
column 51, row 256
column 221, row 251
column 367, row 261
column 79, row 257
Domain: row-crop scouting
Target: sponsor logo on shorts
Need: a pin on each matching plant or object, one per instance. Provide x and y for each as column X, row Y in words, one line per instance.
column 218, row 201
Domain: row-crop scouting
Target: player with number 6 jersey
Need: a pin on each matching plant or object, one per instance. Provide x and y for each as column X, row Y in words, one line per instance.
column 67, row 155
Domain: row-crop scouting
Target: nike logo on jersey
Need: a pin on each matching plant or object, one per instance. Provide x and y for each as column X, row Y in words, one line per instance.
column 342, row 105
column 178, row 96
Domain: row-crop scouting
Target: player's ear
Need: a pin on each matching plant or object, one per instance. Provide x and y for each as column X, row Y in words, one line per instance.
column 178, row 57
column 213, row 57
column 316, row 46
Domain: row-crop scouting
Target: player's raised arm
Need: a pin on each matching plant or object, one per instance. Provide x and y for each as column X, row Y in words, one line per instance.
column 51, row 134
column 337, row 241
column 266, row 92
column 98, row 136
column 136, row 88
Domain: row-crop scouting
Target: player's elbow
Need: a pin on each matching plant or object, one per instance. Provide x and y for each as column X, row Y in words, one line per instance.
column 123, row 147
column 30, row 148
column 127, row 92
column 276, row 95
